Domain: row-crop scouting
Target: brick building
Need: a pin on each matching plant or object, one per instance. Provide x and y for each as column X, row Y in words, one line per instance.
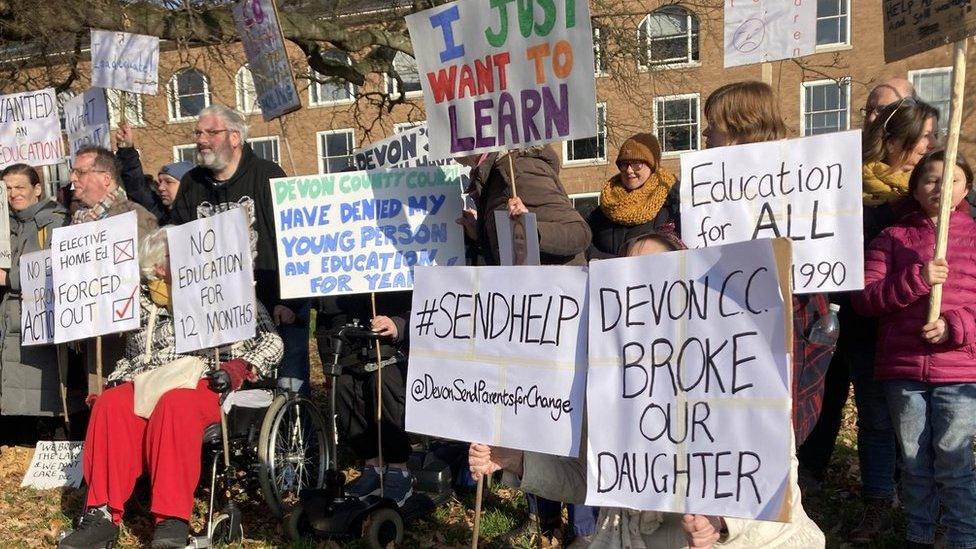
column 661, row 89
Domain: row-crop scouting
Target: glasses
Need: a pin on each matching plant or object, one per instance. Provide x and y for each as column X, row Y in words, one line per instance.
column 635, row 165
column 210, row 133
column 82, row 171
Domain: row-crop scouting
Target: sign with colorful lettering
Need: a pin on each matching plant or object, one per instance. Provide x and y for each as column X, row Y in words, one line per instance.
column 915, row 27
column 86, row 120
column 758, row 31
column 505, row 75
column 30, row 130
column 125, row 61
column 257, row 24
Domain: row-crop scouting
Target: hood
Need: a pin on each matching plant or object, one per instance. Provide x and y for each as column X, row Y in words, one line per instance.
column 499, row 161
column 43, row 213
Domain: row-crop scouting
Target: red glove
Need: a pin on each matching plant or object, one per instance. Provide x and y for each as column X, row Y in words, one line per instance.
column 238, row 371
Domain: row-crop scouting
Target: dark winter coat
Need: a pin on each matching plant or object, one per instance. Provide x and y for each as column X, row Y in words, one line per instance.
column 609, row 236
column 136, row 187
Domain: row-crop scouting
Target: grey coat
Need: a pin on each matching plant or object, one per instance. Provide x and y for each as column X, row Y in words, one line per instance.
column 29, row 382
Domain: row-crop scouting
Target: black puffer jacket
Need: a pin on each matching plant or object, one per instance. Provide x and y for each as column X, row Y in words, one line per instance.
column 609, row 236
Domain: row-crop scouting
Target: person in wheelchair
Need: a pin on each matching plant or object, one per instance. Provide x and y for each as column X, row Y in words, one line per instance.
column 356, row 391
column 166, row 440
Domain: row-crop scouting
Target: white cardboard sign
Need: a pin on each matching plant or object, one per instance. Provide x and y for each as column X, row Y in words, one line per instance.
column 56, row 464
column 36, row 299
column 688, row 391
column 86, row 120
column 213, row 281
column 30, row 130
column 125, row 61
column 757, row 31
column 498, row 355
column 95, row 267
column 808, row 189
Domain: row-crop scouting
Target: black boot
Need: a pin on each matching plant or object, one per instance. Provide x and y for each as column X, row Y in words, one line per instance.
column 95, row 531
column 171, row 534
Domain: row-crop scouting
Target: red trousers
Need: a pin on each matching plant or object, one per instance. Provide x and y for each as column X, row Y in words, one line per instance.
column 120, row 445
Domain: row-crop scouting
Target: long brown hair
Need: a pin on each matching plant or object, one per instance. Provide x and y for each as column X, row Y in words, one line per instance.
column 899, row 126
column 745, row 111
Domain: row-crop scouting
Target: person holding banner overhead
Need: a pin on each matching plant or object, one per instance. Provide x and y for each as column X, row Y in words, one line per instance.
column 145, row 424
column 927, row 369
column 134, row 180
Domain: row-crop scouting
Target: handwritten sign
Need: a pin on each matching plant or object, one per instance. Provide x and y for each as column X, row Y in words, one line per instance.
column 916, row 27
column 86, row 120
column 807, row 189
column 501, row 75
column 357, row 232
column 498, row 355
column 30, row 131
column 257, row 24
column 125, row 61
column 36, row 299
column 757, row 31
column 407, row 149
column 96, row 278
column 56, row 464
column 213, row 281
column 688, row 391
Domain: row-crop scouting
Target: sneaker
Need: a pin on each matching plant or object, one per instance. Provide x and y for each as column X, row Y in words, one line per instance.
column 95, row 530
column 872, row 520
column 397, row 485
column 367, row 484
column 171, row 533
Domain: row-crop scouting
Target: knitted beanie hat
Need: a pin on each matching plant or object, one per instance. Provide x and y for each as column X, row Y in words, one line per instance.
column 643, row 147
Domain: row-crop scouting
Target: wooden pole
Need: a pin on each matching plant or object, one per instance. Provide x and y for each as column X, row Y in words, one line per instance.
column 63, row 382
column 948, row 171
column 379, row 398
column 511, row 174
column 479, row 491
column 98, row 365
column 284, row 136
column 767, row 73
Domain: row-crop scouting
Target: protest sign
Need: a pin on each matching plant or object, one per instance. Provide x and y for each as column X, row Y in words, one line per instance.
column 807, row 189
column 498, row 355
column 497, row 75
column 357, row 232
column 213, row 281
column 406, row 149
column 915, row 27
column 30, row 131
column 56, row 464
column 86, row 120
column 36, row 299
column 522, row 249
column 96, row 278
column 758, row 31
column 125, row 61
column 688, row 390
column 267, row 59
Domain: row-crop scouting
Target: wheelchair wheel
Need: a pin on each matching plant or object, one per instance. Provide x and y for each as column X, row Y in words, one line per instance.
column 385, row 527
column 292, row 451
column 223, row 532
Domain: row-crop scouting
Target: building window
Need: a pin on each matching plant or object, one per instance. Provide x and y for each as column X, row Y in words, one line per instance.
column 676, row 123
column 189, row 93
column 934, row 86
column 335, row 151
column 247, row 95
column 833, row 22
column 265, row 147
column 406, row 68
column 668, row 37
column 331, row 90
column 133, row 108
column 56, row 176
column 585, row 203
column 185, row 153
column 826, row 106
column 599, row 50
column 589, row 150
column 404, row 126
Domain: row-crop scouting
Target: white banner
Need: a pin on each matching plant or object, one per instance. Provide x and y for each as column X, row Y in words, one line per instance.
column 213, row 281
column 86, row 120
column 358, row 232
column 758, row 31
column 96, row 278
column 498, row 355
column 124, row 61
column 688, row 391
column 808, row 189
column 36, row 299
column 30, row 131
column 497, row 77
column 407, row 149
column 56, row 464
column 257, row 24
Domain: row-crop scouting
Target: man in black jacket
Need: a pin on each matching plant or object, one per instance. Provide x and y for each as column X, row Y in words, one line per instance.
column 229, row 175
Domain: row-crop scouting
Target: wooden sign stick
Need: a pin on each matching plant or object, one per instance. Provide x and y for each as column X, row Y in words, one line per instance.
column 948, row 171
column 98, row 365
column 379, row 397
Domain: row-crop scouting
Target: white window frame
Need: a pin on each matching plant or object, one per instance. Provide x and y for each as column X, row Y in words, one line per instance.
column 404, row 126
column 62, row 98
column 266, row 138
column 593, row 194
column 589, row 161
column 318, row 145
column 242, row 93
column 598, row 53
column 688, row 62
column 313, row 85
column 51, row 180
column 173, row 94
column 834, row 46
column 845, row 81
column 178, row 148
column 392, row 87
column 698, row 116
column 114, row 113
column 943, row 117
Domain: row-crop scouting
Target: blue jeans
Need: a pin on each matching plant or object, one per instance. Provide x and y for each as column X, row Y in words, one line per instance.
column 294, row 369
column 583, row 519
column 876, row 445
column 935, row 426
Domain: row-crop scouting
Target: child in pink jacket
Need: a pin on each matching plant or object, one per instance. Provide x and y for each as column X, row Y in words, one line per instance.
column 929, row 369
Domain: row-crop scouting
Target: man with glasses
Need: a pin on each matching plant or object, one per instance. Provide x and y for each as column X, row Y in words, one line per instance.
column 229, row 175
column 885, row 94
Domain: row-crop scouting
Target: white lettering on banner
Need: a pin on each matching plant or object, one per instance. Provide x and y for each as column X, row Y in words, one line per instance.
column 95, row 268
column 688, row 391
column 498, row 355
column 30, row 131
column 758, row 31
column 807, row 189
column 125, row 61
column 257, row 24
column 213, row 281
column 56, row 464
column 357, row 232
column 36, row 299
column 497, row 76
column 86, row 120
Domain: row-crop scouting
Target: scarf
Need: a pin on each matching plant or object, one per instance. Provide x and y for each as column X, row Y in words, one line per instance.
column 636, row 207
column 882, row 185
column 100, row 210
column 159, row 293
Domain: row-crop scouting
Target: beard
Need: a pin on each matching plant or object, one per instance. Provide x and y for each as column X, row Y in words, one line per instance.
column 213, row 159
